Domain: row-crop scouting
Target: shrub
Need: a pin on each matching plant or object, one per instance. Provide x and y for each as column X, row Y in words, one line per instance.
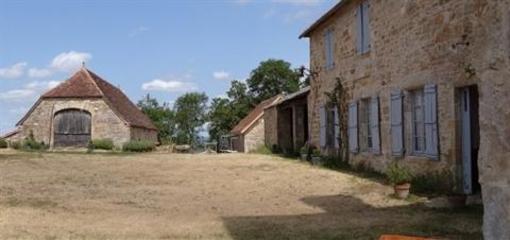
column 440, row 182
column 397, row 174
column 138, row 146
column 32, row 145
column 15, row 145
column 3, row 143
column 262, row 149
column 103, row 144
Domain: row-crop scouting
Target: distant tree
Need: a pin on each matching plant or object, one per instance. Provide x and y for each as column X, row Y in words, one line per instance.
column 190, row 114
column 161, row 115
column 221, row 118
column 272, row 77
column 241, row 102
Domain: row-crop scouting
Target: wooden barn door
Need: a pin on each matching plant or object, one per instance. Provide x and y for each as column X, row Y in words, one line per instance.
column 71, row 128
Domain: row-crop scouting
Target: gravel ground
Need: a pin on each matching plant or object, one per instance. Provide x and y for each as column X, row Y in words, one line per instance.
column 226, row 196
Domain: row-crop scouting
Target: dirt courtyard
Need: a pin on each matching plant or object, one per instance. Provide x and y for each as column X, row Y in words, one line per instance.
column 227, row 196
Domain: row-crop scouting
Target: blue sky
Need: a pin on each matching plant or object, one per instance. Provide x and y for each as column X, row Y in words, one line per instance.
column 164, row 48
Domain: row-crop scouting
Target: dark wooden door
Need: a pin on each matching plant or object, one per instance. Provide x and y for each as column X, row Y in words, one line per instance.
column 71, row 128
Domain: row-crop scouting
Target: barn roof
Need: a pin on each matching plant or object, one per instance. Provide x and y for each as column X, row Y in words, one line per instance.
column 86, row 84
column 253, row 116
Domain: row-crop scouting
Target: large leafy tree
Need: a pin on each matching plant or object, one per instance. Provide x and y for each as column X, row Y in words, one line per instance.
column 272, row 77
column 221, row 118
column 190, row 114
column 241, row 102
column 161, row 115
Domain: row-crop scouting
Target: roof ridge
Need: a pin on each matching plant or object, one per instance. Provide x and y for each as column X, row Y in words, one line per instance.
column 92, row 79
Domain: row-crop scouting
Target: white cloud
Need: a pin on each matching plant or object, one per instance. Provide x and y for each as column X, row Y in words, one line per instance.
column 69, row 61
column 39, row 72
column 14, row 71
column 137, row 31
column 28, row 92
column 168, row 86
column 221, row 75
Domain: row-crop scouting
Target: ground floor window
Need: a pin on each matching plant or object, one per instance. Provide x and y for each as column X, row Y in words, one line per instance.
column 418, row 121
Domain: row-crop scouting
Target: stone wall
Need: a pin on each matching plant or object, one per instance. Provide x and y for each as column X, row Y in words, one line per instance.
column 105, row 123
column 406, row 55
column 144, row 134
column 452, row 44
column 270, row 126
column 254, row 137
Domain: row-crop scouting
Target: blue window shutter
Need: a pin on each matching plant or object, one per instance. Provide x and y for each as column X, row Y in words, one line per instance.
column 337, row 128
column 353, row 127
column 396, row 120
column 366, row 25
column 431, row 128
column 359, row 29
column 322, row 120
column 374, row 125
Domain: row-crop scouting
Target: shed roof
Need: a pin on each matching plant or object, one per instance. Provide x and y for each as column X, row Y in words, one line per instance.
column 253, row 116
column 85, row 84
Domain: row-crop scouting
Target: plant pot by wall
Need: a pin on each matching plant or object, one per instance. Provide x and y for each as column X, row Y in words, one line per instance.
column 402, row 190
column 316, row 160
column 304, row 156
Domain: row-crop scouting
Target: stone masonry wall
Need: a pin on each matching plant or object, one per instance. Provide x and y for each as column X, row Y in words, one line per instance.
column 254, row 137
column 144, row 134
column 411, row 46
column 270, row 126
column 105, row 124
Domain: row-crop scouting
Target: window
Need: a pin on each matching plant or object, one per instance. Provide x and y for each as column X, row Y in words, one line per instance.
column 364, row 125
column 330, row 127
column 418, row 121
column 329, row 49
column 363, row 27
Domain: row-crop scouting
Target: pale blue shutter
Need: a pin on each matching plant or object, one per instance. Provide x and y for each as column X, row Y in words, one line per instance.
column 396, row 120
column 337, row 128
column 353, row 127
column 431, row 129
column 366, row 26
column 359, row 29
column 374, row 125
column 322, row 122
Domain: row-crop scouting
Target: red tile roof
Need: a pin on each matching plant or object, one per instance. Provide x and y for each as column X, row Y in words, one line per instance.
column 86, row 84
column 253, row 116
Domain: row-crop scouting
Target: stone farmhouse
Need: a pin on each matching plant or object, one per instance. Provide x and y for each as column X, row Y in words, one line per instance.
column 83, row 108
column 426, row 84
column 249, row 133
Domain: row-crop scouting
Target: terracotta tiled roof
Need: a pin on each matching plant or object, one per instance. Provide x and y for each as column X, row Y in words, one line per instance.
column 86, row 84
column 253, row 116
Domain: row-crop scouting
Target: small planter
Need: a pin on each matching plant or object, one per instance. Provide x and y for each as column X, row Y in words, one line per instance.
column 316, row 160
column 304, row 156
column 402, row 190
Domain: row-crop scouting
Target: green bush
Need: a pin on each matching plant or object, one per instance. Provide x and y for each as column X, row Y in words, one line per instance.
column 262, row 149
column 397, row 174
column 3, row 143
column 15, row 145
column 138, row 146
column 33, row 145
column 103, row 144
column 440, row 183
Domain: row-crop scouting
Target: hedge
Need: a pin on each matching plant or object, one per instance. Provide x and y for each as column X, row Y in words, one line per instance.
column 103, row 144
column 138, row 146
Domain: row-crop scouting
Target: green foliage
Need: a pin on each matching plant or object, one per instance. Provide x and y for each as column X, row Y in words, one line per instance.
column 138, row 146
column 436, row 183
column 32, row 145
column 161, row 115
column 103, row 144
column 190, row 114
column 3, row 143
column 397, row 174
column 262, row 149
column 221, row 118
column 271, row 78
column 316, row 152
column 15, row 145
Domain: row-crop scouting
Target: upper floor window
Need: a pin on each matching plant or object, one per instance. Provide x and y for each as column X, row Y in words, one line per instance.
column 329, row 48
column 363, row 27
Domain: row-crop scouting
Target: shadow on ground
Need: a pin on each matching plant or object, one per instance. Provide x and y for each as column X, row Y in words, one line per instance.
column 346, row 217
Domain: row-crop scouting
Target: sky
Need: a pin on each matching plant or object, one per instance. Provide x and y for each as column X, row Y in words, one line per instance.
column 164, row 48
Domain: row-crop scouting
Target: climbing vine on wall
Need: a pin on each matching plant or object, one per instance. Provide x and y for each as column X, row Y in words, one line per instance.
column 338, row 97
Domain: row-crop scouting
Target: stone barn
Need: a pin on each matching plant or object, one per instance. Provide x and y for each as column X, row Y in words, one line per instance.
column 249, row 133
column 83, row 108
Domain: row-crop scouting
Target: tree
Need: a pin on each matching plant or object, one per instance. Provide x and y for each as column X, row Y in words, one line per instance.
column 241, row 102
column 272, row 77
column 221, row 118
column 161, row 115
column 190, row 114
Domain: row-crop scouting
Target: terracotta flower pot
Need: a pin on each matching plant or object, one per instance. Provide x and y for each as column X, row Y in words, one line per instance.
column 402, row 190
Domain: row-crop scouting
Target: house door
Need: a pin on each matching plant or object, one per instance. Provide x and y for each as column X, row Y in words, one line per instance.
column 71, row 128
column 469, row 139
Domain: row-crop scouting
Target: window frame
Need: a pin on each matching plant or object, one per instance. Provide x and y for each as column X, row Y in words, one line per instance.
column 363, row 28
column 365, row 125
column 330, row 127
column 414, row 120
column 329, row 49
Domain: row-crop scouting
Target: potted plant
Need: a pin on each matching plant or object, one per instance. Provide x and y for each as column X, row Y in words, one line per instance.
column 400, row 177
column 316, row 157
column 304, row 153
